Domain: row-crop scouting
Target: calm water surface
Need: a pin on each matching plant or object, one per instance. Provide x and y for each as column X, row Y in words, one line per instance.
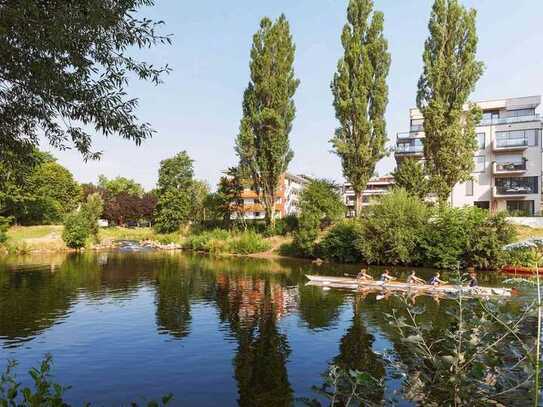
column 135, row 326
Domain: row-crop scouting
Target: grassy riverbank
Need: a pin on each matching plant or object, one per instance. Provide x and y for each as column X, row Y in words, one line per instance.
column 48, row 238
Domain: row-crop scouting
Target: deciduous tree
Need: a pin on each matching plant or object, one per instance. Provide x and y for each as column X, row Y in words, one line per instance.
column 268, row 110
column 361, row 95
column 64, row 67
column 450, row 72
column 174, row 192
column 119, row 185
column 410, row 175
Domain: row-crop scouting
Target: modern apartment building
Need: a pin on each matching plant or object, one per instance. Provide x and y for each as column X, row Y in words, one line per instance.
column 376, row 187
column 508, row 162
column 287, row 200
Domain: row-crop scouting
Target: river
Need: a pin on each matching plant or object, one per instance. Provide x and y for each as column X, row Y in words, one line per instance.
column 134, row 326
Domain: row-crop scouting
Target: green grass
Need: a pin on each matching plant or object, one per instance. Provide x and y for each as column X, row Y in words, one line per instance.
column 20, row 233
column 525, row 232
column 120, row 233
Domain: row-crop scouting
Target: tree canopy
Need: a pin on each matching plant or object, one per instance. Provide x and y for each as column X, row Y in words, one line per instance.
column 450, row 72
column 361, row 95
column 410, row 175
column 39, row 194
column 175, row 193
column 263, row 143
column 120, row 185
column 64, row 69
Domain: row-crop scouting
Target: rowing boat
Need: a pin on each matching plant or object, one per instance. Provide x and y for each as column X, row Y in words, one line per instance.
column 446, row 289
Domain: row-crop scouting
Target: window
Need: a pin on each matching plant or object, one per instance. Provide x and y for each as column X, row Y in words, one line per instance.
column 469, row 188
column 491, row 114
column 520, row 208
column 517, row 185
column 481, row 140
column 417, row 125
column 482, row 204
column 480, row 163
column 257, row 214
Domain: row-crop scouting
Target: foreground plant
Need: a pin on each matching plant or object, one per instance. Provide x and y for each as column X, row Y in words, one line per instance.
column 44, row 392
column 484, row 357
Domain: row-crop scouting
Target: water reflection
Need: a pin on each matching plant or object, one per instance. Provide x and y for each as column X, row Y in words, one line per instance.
column 255, row 312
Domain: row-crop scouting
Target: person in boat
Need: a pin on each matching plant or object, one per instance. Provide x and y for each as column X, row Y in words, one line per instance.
column 472, row 281
column 413, row 279
column 435, row 280
column 363, row 275
column 386, row 277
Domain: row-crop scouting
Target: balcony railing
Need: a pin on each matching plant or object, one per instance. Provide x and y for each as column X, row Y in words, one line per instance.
column 508, row 120
column 518, row 190
column 511, row 142
column 409, row 149
column 518, row 166
column 415, row 128
column 516, row 186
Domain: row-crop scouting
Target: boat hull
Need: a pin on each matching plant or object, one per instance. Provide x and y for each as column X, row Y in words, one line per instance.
column 446, row 289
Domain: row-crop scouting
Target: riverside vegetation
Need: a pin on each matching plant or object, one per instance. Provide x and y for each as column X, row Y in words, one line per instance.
column 399, row 229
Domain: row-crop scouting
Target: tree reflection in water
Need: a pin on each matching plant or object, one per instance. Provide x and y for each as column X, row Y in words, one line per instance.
column 252, row 306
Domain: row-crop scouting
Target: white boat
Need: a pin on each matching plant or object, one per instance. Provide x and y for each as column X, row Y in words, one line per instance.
column 444, row 289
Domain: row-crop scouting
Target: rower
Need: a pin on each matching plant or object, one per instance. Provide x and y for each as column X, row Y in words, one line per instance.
column 386, row 277
column 472, row 282
column 363, row 275
column 435, row 280
column 413, row 279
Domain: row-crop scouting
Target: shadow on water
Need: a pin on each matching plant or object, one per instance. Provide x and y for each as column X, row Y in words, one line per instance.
column 254, row 320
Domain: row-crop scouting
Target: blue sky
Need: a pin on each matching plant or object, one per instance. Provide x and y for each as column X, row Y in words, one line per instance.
column 198, row 106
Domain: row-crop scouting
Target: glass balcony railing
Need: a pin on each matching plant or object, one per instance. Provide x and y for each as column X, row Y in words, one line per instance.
column 516, row 186
column 415, row 128
column 508, row 120
column 408, row 149
column 510, row 166
column 505, row 142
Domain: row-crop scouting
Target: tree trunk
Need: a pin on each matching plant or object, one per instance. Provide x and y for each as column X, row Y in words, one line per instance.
column 269, row 203
column 358, row 203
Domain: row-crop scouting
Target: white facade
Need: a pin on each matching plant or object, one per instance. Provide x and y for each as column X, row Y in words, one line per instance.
column 376, row 187
column 508, row 162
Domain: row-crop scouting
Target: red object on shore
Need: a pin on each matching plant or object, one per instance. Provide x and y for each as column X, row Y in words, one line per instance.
column 521, row 270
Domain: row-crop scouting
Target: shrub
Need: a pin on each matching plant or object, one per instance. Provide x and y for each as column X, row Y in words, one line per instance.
column 470, row 236
column 307, row 234
column 213, row 241
column 248, row 242
column 91, row 210
column 339, row 243
column 76, row 230
column 286, row 225
column 392, row 229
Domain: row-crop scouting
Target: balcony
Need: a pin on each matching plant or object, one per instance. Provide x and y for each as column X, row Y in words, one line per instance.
column 510, row 144
column 509, row 168
column 508, row 120
column 406, row 150
column 515, row 186
column 499, row 192
column 407, row 135
column 416, row 128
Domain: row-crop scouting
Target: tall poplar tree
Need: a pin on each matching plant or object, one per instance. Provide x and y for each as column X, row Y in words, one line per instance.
column 268, row 111
column 449, row 75
column 361, row 95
